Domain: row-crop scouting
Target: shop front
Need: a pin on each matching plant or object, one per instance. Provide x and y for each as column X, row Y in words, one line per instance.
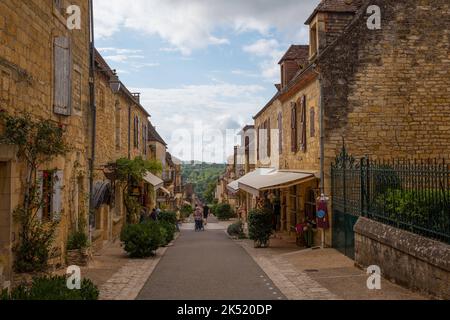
column 291, row 195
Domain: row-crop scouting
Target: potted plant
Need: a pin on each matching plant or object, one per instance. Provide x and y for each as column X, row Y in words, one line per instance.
column 78, row 249
column 260, row 227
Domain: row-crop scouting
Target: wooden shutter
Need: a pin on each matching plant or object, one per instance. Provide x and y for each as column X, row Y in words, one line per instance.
column 57, row 195
column 257, row 142
column 303, row 124
column 280, row 133
column 62, row 76
column 269, row 140
column 312, row 123
column 293, row 127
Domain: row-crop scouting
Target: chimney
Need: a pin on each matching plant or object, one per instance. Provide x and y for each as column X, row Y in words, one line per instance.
column 137, row 97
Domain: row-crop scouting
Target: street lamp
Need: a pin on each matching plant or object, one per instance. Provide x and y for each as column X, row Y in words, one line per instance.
column 114, row 82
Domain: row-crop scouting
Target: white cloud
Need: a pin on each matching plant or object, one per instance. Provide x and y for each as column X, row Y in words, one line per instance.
column 195, row 24
column 118, row 50
column 215, row 107
column 271, row 51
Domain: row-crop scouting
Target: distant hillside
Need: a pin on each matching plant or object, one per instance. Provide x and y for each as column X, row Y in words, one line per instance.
column 203, row 176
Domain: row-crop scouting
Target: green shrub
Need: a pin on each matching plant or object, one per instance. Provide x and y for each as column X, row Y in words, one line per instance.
column 236, row 230
column 224, row 211
column 77, row 240
column 427, row 208
column 386, row 179
column 260, row 226
column 168, row 231
column 141, row 240
column 53, row 288
column 168, row 216
column 186, row 211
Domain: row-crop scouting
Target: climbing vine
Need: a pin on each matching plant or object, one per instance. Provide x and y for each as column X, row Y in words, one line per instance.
column 37, row 142
column 129, row 173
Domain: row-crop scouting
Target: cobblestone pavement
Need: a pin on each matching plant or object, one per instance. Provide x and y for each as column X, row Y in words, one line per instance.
column 294, row 284
column 323, row 274
column 126, row 283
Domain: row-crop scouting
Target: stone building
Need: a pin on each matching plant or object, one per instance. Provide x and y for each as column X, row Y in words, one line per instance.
column 122, row 128
column 383, row 91
column 44, row 71
column 173, row 182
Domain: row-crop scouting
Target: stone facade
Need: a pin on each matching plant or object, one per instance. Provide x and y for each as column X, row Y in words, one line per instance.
column 30, row 35
column 122, row 126
column 405, row 258
column 385, row 92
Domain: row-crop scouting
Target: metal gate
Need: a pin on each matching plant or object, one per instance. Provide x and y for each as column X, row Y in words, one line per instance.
column 346, row 184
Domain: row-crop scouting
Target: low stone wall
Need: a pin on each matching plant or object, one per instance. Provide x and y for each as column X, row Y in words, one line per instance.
column 410, row 260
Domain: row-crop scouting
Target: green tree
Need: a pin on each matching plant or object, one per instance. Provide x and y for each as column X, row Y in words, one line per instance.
column 130, row 172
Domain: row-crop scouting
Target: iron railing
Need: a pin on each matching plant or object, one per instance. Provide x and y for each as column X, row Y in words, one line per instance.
column 410, row 195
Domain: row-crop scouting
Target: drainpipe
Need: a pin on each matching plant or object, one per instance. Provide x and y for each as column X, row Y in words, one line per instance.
column 322, row 132
column 322, row 144
column 94, row 118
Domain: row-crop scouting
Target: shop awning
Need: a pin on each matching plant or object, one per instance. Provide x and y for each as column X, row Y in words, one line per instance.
column 102, row 193
column 165, row 191
column 276, row 179
column 153, row 180
column 234, row 186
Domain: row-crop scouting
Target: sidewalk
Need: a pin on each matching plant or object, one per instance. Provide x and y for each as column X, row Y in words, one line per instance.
column 117, row 276
column 321, row 274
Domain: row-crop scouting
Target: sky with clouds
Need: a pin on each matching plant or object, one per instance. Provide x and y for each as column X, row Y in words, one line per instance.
column 200, row 64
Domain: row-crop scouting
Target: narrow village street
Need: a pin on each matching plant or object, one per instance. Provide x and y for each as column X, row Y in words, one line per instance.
column 209, row 265
column 309, row 139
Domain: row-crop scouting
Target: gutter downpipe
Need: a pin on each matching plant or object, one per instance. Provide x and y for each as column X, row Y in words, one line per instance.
column 94, row 119
column 322, row 144
column 322, row 133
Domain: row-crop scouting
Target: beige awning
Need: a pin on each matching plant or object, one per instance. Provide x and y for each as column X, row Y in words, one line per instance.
column 165, row 191
column 234, row 186
column 276, row 179
column 153, row 180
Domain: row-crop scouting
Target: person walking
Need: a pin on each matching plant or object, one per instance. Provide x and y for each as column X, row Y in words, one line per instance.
column 198, row 216
column 154, row 215
column 206, row 214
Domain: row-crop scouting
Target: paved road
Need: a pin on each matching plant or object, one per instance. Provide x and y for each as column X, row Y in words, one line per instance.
column 208, row 266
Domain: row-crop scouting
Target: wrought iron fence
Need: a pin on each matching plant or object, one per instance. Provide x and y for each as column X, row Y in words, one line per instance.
column 407, row 194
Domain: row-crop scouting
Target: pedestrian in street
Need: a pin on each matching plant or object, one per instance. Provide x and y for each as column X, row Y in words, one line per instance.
column 154, row 215
column 198, row 216
column 206, row 213
column 178, row 214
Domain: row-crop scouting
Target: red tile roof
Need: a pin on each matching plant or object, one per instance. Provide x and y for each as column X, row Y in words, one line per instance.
column 296, row 52
column 335, row 6
column 153, row 135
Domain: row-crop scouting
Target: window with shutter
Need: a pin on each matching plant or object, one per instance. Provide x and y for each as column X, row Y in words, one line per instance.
column 269, row 139
column 118, row 126
column 303, row 124
column 62, row 76
column 258, row 140
column 280, row 133
column 312, row 123
column 57, row 195
column 293, row 127
column 135, row 129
